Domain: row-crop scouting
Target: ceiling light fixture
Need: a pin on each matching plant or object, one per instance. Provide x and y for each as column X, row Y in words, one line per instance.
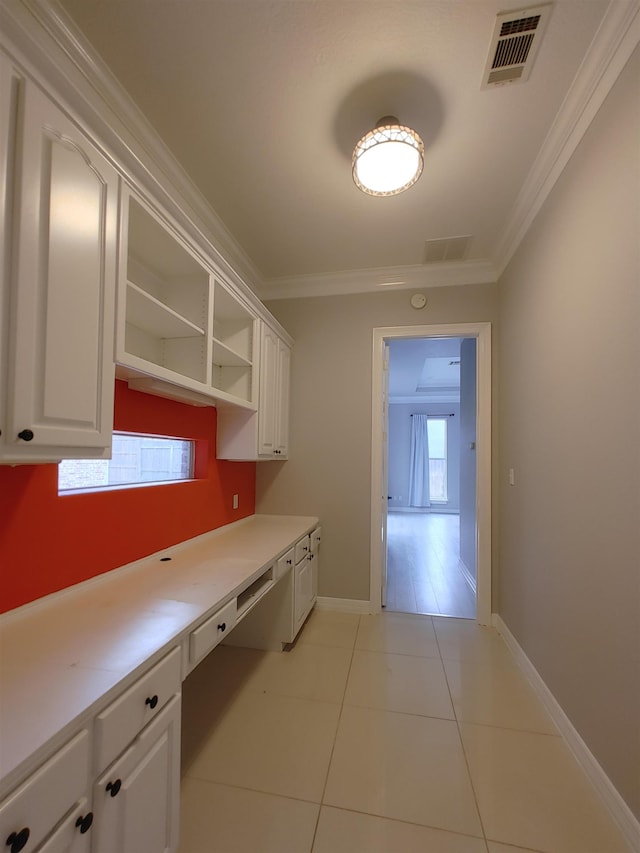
column 389, row 159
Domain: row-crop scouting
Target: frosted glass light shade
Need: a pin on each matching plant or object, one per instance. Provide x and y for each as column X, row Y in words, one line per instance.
column 388, row 159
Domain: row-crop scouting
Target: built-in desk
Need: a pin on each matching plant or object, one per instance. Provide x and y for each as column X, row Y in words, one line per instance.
column 70, row 662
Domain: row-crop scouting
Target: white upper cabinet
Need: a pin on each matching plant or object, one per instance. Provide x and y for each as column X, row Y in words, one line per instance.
column 273, row 420
column 263, row 434
column 60, row 203
column 282, row 399
column 181, row 333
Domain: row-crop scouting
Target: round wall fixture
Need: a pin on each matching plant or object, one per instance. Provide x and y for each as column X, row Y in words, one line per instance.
column 418, row 300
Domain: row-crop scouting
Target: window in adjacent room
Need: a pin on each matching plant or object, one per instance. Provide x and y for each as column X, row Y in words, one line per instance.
column 437, row 431
column 137, row 460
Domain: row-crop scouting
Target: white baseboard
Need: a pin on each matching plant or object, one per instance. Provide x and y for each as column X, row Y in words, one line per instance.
column 343, row 605
column 470, row 579
column 618, row 809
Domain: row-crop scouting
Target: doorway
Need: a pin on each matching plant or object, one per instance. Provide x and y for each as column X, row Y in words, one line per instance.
column 478, row 534
column 431, row 511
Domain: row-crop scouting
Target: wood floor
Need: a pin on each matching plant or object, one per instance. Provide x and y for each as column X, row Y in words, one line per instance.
column 423, row 571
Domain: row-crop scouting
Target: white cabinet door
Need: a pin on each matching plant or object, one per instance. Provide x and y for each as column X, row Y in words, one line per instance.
column 275, row 368
column 315, row 538
column 137, row 800
column 62, row 292
column 303, row 592
column 282, row 399
column 267, row 402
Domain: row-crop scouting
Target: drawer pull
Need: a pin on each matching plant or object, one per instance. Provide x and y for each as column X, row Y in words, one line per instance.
column 84, row 823
column 222, row 626
column 114, row 787
column 17, row 840
column 25, row 435
column 151, row 701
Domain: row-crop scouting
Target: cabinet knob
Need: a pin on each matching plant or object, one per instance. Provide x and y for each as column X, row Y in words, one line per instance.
column 289, row 562
column 114, row 787
column 17, row 840
column 151, row 701
column 26, row 435
column 84, row 823
column 222, row 626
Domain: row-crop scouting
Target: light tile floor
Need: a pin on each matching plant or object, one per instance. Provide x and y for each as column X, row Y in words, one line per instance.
column 394, row 733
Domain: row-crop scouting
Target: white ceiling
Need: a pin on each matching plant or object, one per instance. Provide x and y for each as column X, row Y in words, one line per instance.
column 262, row 101
column 424, row 370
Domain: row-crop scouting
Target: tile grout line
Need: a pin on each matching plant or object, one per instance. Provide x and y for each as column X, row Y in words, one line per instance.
column 335, row 737
column 464, row 752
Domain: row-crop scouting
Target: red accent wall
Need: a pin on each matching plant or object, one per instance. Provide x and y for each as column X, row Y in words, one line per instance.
column 49, row 542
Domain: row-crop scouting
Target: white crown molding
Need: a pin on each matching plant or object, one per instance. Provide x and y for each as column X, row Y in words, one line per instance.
column 378, row 279
column 59, row 55
column 613, row 44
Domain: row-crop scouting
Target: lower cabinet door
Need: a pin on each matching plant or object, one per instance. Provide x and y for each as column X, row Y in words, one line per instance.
column 137, row 800
column 303, row 590
column 74, row 833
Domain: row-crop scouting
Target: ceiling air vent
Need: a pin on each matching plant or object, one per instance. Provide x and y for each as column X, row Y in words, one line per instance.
column 447, row 249
column 515, row 42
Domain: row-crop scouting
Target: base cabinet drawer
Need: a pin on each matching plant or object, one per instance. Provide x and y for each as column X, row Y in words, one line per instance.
column 211, row 632
column 118, row 724
column 285, row 563
column 29, row 815
column 74, row 833
column 137, row 800
column 302, row 549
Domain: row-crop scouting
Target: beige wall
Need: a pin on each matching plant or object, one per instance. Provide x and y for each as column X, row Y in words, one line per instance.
column 329, row 472
column 570, row 427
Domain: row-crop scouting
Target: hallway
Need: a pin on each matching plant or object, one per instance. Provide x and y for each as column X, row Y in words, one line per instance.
column 388, row 733
column 423, row 572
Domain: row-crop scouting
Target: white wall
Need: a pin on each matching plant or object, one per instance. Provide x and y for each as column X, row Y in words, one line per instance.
column 329, row 472
column 570, row 428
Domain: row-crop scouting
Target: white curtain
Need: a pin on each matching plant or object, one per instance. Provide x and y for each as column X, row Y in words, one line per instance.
column 419, row 465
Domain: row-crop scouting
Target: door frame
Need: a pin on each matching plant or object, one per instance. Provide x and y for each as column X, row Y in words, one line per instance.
column 482, row 333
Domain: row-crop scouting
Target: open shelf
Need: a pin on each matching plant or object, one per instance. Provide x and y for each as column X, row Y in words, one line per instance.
column 149, row 314
column 178, row 320
column 224, row 355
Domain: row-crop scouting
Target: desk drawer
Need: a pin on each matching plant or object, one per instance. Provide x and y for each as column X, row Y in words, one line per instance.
column 302, row 549
column 316, row 537
column 118, row 724
column 47, row 796
column 211, row 632
column 285, row 563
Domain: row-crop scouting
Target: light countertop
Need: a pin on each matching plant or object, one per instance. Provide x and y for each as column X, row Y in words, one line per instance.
column 65, row 655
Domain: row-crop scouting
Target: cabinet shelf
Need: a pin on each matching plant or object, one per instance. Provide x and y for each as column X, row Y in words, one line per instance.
column 178, row 321
column 151, row 315
column 225, row 355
